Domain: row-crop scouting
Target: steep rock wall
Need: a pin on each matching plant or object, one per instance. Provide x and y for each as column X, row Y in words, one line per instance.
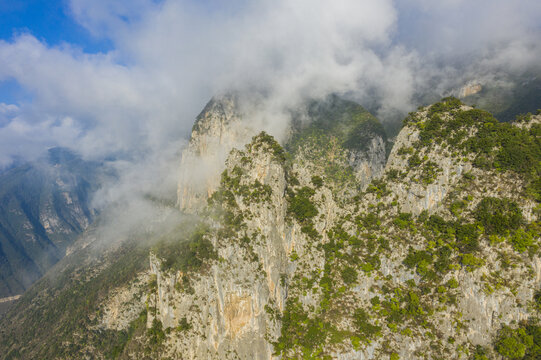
column 219, row 128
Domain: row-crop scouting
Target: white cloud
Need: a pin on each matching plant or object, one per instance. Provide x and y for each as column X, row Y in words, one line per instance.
column 6, row 109
column 169, row 57
column 20, row 139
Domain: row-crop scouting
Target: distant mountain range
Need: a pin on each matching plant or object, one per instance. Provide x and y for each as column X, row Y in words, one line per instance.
column 44, row 206
column 508, row 100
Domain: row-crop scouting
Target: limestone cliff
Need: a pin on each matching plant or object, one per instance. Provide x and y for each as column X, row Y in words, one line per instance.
column 324, row 249
column 226, row 303
column 219, row 128
column 315, row 262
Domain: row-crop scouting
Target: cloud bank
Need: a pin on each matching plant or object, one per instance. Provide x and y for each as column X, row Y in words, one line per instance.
column 139, row 100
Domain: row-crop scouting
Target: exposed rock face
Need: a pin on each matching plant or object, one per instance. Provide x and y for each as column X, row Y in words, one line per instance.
column 416, row 196
column 469, row 89
column 218, row 129
column 533, row 120
column 321, row 251
column 124, row 304
column 227, row 305
column 237, row 296
column 369, row 164
column 344, row 129
column 221, row 127
column 234, row 298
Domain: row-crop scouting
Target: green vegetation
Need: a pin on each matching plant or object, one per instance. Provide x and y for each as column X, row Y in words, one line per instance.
column 521, row 343
column 370, row 221
column 336, row 127
column 277, row 150
column 452, row 283
column 300, row 205
column 184, row 325
column 405, row 151
column 457, row 207
column 378, row 187
column 493, row 145
column 300, row 330
column 453, row 243
column 349, row 275
column 325, row 151
column 498, row 216
column 522, row 240
column 403, row 221
column 71, row 296
column 231, row 184
column 445, row 105
column 366, row 331
column 321, row 324
column 344, row 120
column 429, row 172
column 480, row 353
column 344, row 286
column 517, row 149
column 125, row 336
column 155, row 333
column 463, row 236
column 418, row 259
column 317, row 181
column 414, row 160
column 404, row 307
column 179, row 253
column 537, row 300
column 471, row 262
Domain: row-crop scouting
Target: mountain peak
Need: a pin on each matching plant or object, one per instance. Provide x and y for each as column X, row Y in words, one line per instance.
column 299, row 252
column 60, row 155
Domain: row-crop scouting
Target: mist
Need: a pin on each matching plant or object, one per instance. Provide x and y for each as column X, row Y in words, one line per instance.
column 136, row 103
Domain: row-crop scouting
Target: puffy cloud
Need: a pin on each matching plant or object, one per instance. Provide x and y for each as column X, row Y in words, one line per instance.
column 169, row 57
column 21, row 140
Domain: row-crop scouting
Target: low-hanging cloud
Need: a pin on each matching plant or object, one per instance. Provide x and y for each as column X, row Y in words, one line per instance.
column 138, row 101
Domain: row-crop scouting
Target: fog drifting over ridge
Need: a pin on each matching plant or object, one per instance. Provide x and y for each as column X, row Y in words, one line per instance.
column 139, row 100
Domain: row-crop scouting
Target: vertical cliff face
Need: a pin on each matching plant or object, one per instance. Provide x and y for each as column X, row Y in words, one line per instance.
column 321, row 247
column 219, row 128
column 317, row 250
column 424, row 188
column 231, row 308
column 226, row 304
column 222, row 126
column 369, row 164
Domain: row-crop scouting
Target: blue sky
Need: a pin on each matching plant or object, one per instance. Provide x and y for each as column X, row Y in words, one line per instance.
column 48, row 20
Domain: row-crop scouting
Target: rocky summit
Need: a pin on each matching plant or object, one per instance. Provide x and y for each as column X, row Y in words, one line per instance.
column 329, row 245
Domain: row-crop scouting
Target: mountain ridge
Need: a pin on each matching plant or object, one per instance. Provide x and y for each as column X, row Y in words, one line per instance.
column 44, row 206
column 297, row 256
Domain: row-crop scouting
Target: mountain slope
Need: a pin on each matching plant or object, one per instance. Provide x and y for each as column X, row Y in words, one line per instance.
column 44, row 206
column 298, row 255
column 507, row 99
